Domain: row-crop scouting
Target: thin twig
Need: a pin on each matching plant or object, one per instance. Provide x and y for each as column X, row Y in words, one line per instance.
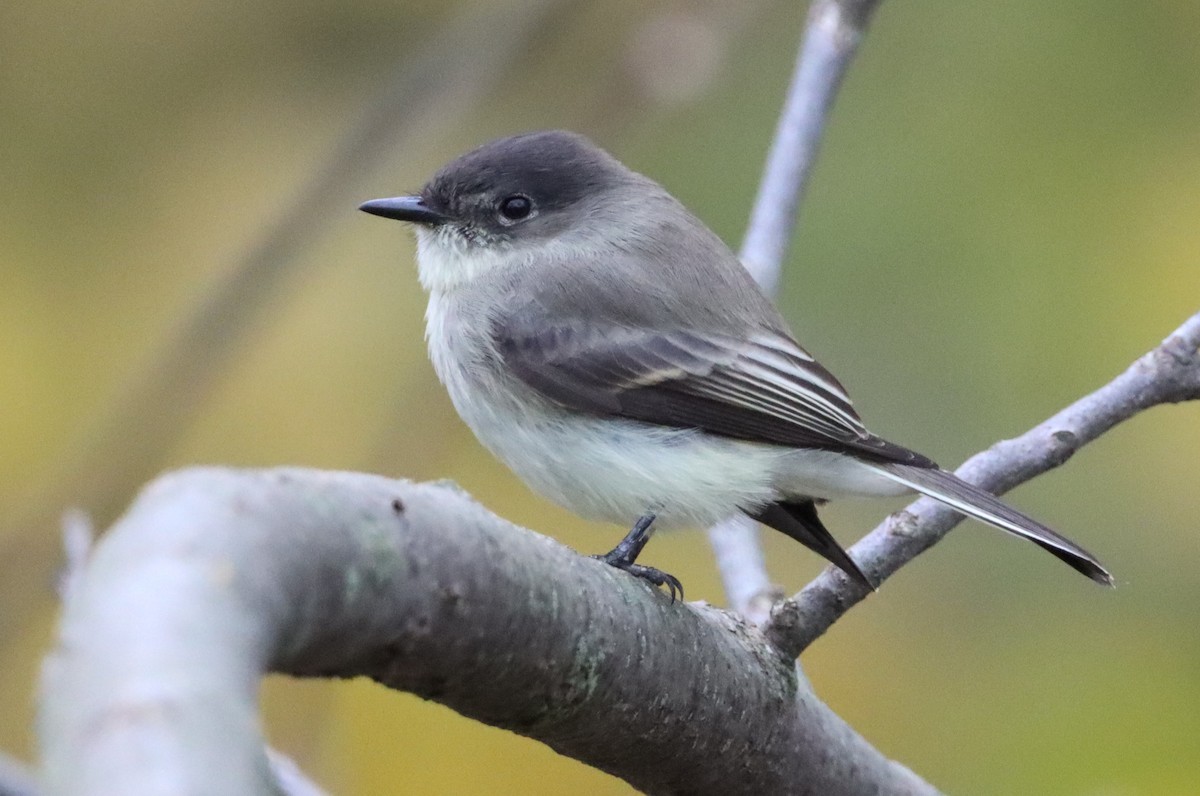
column 1169, row 373
column 831, row 38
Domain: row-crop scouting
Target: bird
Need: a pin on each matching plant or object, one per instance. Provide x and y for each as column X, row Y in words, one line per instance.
column 608, row 347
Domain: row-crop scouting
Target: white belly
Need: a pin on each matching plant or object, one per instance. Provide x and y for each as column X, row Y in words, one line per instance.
column 617, row 470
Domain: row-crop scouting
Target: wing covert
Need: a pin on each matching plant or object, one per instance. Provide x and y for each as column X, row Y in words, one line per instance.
column 761, row 387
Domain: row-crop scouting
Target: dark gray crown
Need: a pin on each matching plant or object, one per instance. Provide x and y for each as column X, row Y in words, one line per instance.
column 554, row 168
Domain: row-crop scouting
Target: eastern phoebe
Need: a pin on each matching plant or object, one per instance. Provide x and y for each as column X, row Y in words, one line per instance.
column 609, row 348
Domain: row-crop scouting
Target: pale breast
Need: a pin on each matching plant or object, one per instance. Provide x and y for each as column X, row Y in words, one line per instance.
column 601, row 468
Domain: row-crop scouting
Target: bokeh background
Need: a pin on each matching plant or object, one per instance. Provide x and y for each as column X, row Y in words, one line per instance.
column 1005, row 214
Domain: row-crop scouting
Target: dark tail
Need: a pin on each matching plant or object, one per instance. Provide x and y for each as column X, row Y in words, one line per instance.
column 799, row 520
column 974, row 502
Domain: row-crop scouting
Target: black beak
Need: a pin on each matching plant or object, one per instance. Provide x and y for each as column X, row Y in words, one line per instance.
column 403, row 208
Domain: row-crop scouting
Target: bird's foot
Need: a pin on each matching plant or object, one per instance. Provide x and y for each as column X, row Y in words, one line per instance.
column 648, row 574
column 625, row 554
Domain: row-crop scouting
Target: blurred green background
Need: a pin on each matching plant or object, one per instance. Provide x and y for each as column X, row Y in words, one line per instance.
column 1005, row 214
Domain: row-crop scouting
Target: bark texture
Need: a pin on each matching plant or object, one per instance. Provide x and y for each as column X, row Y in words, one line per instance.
column 216, row 576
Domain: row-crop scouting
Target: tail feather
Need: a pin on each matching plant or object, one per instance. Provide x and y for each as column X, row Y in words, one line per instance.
column 974, row 502
column 799, row 520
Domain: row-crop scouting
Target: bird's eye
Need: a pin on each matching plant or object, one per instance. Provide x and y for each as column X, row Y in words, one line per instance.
column 515, row 208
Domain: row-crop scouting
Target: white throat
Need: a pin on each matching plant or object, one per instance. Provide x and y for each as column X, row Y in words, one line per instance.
column 445, row 261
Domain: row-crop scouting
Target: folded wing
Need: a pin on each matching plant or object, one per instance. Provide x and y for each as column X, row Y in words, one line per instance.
column 762, row 387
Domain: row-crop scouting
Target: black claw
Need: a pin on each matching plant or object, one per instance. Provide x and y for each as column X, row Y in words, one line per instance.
column 655, row 577
column 624, row 554
column 658, row 578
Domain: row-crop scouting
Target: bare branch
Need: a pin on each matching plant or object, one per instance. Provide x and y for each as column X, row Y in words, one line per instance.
column 831, row 38
column 1168, row 374
column 832, row 34
column 215, row 576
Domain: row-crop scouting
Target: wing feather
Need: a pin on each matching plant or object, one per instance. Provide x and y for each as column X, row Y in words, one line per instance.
column 761, row 387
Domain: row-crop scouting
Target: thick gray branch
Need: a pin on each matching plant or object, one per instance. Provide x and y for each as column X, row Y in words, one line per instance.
column 831, row 37
column 1168, row 374
column 215, row 576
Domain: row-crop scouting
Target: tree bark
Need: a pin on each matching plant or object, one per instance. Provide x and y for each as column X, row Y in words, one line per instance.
column 216, row 576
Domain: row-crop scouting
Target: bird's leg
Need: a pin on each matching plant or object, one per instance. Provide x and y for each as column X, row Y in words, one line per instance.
column 626, row 552
column 631, row 546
